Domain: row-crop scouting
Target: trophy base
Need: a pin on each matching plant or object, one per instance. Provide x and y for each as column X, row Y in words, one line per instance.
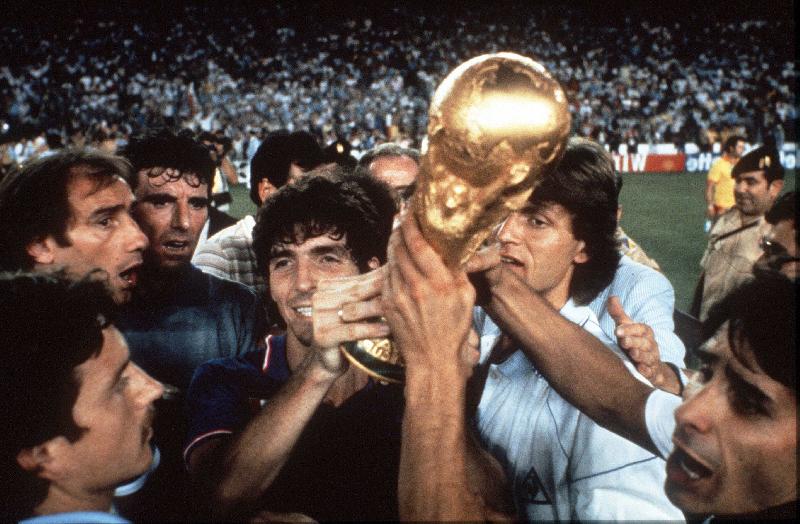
column 377, row 357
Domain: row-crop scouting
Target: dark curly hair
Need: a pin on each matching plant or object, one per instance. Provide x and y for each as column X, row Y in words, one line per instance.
column 49, row 325
column 34, row 200
column 356, row 207
column 164, row 148
column 762, row 316
column 584, row 183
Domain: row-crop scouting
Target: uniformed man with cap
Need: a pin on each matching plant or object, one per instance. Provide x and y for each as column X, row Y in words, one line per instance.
column 733, row 244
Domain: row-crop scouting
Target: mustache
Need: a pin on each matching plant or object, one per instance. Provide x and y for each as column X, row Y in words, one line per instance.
column 300, row 299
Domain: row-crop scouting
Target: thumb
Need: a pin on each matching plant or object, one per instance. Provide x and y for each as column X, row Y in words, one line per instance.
column 484, row 259
column 614, row 307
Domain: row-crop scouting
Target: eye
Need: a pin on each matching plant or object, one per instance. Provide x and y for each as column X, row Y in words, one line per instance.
column 705, row 373
column 106, row 222
column 744, row 404
column 278, row 263
column 536, row 221
column 329, row 259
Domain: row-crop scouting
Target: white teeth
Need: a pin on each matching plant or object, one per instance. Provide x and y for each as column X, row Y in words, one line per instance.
column 692, row 474
column 508, row 260
column 305, row 311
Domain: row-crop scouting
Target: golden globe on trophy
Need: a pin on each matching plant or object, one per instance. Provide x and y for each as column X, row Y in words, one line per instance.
column 496, row 125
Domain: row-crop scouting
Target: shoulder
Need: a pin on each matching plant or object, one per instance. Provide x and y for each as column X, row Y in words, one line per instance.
column 715, row 167
column 634, row 274
column 728, row 220
column 231, row 236
column 222, row 287
column 83, row 517
column 230, row 369
column 256, row 373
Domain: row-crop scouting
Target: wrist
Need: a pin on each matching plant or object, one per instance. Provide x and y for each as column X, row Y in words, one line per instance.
column 318, row 372
column 440, row 391
column 673, row 377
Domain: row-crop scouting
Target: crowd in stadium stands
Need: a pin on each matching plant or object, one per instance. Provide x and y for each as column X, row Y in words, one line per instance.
column 250, row 69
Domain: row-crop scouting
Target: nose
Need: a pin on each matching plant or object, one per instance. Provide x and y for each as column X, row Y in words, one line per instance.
column 509, row 232
column 147, row 388
column 180, row 216
column 306, row 276
column 137, row 240
column 699, row 407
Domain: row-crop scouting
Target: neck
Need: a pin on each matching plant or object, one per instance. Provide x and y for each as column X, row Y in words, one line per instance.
column 558, row 295
column 749, row 217
column 158, row 281
column 62, row 500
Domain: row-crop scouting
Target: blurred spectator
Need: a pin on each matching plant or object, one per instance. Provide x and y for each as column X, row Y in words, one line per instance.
column 281, row 158
column 395, row 165
column 719, row 182
column 653, row 75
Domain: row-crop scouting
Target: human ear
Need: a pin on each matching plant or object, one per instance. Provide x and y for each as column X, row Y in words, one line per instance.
column 42, row 250
column 581, row 257
column 374, row 263
column 39, row 459
column 265, row 189
column 775, row 188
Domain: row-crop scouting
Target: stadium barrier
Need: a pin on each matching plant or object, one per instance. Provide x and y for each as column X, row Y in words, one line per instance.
column 644, row 161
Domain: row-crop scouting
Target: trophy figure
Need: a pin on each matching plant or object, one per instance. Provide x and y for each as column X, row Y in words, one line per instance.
column 497, row 124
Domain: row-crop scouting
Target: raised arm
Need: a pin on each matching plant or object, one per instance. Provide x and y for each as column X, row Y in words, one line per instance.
column 443, row 475
column 580, row 367
column 241, row 467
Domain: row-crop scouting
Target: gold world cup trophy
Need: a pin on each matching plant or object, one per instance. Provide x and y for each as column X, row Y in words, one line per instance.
column 497, row 124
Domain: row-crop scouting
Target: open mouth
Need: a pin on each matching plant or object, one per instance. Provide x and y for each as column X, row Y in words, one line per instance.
column 511, row 261
column 304, row 311
column 691, row 467
column 131, row 275
column 176, row 245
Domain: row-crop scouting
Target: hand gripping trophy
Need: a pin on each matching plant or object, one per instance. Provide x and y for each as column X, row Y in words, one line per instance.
column 497, row 124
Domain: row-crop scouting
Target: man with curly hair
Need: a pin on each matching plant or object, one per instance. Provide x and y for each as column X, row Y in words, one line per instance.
column 293, row 428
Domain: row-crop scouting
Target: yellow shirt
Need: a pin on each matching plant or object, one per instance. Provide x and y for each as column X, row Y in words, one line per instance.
column 720, row 175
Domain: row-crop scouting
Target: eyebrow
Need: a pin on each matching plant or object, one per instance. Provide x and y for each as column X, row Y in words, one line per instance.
column 337, row 249
column 155, row 197
column 107, row 210
column 279, row 251
column 741, row 385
